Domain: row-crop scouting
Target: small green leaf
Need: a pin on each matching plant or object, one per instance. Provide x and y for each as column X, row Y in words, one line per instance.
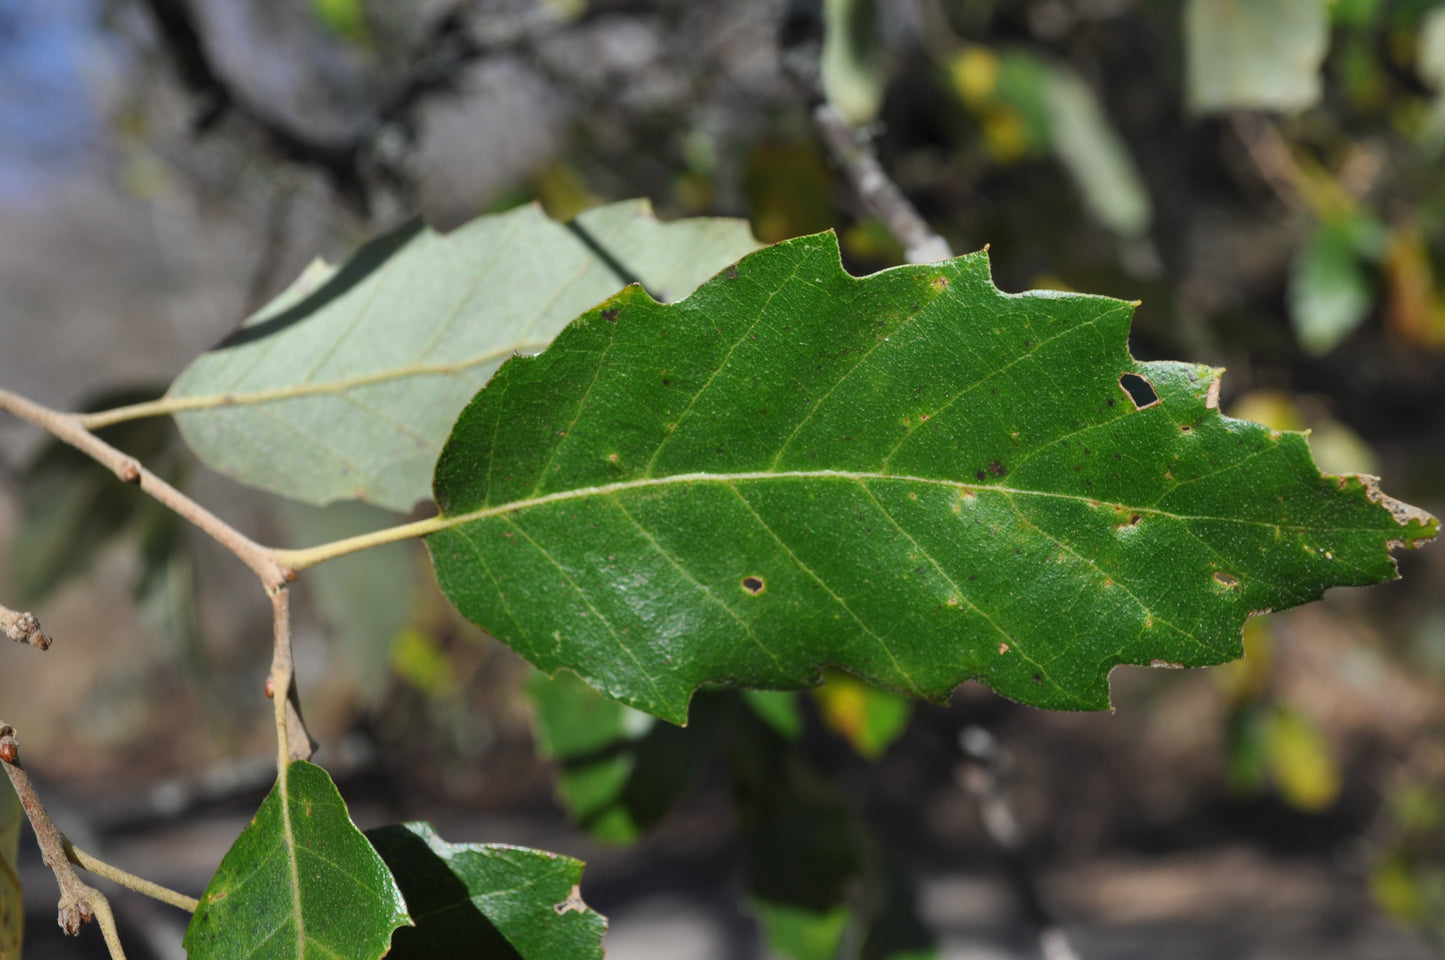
column 778, row 709
column 12, row 906
column 300, row 881
column 1330, row 292
column 1254, row 54
column 801, row 934
column 868, row 718
column 852, row 65
column 795, row 468
column 486, row 900
column 621, row 770
column 346, row 384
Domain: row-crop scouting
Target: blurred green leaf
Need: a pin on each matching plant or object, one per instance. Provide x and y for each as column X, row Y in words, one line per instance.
column 1355, row 14
column 418, row 659
column 1301, row 763
column 1095, row 155
column 870, row 719
column 1330, row 289
column 852, row 62
column 300, row 881
column 486, row 900
column 778, row 709
column 345, row 18
column 1254, row 54
column 814, row 871
column 801, row 934
column 620, row 769
column 12, row 905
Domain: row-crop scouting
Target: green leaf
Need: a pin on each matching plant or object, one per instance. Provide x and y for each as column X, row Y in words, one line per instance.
column 345, row 385
column 796, row 468
column 1254, row 54
column 868, row 718
column 852, row 64
column 12, row 905
column 486, row 900
column 1330, row 293
column 621, row 771
column 300, row 881
column 801, row 934
column 1095, row 155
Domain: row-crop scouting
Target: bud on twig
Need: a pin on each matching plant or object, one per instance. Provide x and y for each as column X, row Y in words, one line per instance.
column 23, row 628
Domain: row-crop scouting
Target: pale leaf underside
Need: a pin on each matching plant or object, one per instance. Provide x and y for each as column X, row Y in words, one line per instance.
column 345, row 386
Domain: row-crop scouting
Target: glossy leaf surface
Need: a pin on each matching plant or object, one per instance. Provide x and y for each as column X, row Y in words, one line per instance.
column 344, row 386
column 12, row 907
column 301, row 881
column 911, row 476
column 486, row 901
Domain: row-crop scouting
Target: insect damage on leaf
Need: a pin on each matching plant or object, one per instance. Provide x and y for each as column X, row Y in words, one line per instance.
column 926, row 482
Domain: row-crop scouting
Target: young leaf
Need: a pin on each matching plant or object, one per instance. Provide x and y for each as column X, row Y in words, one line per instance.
column 12, row 907
column 345, row 385
column 486, row 900
column 911, row 476
column 300, row 881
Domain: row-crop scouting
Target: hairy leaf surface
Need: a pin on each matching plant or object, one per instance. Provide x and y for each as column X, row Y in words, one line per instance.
column 301, row 881
column 487, row 900
column 346, row 384
column 12, row 907
column 911, row 476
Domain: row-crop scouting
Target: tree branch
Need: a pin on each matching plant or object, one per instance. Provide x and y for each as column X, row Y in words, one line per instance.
column 293, row 742
column 79, row 902
column 801, row 39
column 70, row 429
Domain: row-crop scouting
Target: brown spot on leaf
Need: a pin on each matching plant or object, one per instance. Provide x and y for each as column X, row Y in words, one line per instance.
column 1002, row 649
column 610, row 314
column 996, row 468
column 1226, row 579
column 754, row 585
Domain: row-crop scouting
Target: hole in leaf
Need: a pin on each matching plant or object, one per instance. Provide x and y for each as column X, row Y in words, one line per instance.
column 754, row 585
column 1140, row 391
column 1226, row 579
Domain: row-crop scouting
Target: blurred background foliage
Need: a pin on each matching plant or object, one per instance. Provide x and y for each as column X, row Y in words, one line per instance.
column 1266, row 176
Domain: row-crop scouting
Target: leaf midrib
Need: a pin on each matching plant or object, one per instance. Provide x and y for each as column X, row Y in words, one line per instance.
column 304, row 558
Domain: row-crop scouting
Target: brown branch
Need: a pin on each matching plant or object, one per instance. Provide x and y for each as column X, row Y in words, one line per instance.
column 79, row 902
column 69, row 428
column 801, row 40
column 22, row 628
column 293, row 742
